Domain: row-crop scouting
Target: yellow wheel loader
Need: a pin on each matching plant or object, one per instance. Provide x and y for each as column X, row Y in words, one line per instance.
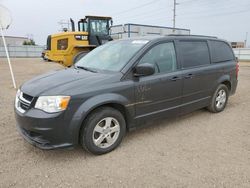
column 67, row 48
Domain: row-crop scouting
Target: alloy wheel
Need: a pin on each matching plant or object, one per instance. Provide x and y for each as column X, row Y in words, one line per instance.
column 106, row 132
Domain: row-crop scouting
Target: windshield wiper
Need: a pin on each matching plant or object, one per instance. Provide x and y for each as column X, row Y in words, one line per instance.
column 86, row 68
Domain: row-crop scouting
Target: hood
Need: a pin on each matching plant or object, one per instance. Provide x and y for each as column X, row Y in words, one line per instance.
column 53, row 82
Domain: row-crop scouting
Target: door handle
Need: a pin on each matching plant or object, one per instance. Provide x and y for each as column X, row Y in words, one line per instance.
column 175, row 78
column 189, row 76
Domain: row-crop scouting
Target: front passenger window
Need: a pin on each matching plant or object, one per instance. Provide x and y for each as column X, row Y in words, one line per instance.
column 162, row 56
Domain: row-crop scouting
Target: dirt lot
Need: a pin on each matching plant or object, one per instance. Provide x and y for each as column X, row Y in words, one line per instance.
column 197, row 150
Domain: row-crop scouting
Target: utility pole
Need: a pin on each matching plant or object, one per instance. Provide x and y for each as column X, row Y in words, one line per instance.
column 246, row 39
column 174, row 15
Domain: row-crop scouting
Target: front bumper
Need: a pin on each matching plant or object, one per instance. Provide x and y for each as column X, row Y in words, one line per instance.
column 44, row 130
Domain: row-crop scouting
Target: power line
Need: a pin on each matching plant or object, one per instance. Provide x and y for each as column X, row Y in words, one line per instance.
column 202, row 16
column 201, row 2
column 218, row 8
column 134, row 8
column 144, row 14
column 221, row 14
column 187, row 1
column 188, row 15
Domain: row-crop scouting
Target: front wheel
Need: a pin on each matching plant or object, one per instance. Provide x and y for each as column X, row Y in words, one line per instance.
column 219, row 99
column 103, row 130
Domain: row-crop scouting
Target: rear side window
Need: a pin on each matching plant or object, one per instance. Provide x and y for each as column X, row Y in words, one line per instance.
column 194, row 53
column 220, row 52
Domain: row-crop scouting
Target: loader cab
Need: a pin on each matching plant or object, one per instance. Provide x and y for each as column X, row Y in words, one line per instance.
column 98, row 28
column 88, row 33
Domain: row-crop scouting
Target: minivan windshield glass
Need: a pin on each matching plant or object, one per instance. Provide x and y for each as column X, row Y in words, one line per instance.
column 112, row 56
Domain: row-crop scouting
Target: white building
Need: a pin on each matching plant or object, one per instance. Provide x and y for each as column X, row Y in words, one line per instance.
column 135, row 30
column 14, row 41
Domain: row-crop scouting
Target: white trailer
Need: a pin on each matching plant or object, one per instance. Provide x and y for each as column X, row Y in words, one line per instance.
column 135, row 30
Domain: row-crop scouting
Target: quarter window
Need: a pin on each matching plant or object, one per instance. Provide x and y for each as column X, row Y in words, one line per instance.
column 162, row 57
column 220, row 52
column 194, row 53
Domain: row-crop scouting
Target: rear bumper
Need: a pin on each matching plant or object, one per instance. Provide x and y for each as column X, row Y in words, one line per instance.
column 43, row 130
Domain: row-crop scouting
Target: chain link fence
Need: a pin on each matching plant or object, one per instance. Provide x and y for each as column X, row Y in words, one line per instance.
column 22, row 51
column 243, row 54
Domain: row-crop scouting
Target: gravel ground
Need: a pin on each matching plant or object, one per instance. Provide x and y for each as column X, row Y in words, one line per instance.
column 196, row 150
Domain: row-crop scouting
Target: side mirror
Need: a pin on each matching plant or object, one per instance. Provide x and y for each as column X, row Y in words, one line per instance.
column 144, row 69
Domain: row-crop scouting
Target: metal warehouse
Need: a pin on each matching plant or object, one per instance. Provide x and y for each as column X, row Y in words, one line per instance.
column 135, row 30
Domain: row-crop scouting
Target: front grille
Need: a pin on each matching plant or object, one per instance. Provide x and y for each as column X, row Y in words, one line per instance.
column 24, row 106
column 23, row 102
column 27, row 97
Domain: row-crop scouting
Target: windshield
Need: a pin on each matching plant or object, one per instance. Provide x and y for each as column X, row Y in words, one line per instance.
column 99, row 27
column 112, row 56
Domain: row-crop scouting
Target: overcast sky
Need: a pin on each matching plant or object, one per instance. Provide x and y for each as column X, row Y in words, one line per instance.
column 227, row 19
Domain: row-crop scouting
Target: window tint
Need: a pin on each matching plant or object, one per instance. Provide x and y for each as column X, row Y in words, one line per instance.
column 162, row 57
column 220, row 51
column 194, row 53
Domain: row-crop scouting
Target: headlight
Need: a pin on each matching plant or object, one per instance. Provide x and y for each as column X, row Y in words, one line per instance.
column 52, row 104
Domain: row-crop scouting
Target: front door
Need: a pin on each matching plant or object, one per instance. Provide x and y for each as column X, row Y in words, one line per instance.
column 159, row 94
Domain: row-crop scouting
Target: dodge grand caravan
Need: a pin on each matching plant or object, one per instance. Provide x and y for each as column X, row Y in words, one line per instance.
column 120, row 86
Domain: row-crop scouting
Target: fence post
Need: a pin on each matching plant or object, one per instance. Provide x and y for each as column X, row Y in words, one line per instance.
column 239, row 54
column 27, row 54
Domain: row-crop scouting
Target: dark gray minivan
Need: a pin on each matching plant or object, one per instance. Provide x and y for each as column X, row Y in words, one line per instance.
column 123, row 84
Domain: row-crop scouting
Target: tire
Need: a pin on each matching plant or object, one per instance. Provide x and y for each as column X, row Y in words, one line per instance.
column 103, row 130
column 78, row 56
column 219, row 99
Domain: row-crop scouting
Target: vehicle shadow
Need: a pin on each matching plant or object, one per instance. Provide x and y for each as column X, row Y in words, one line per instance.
column 155, row 127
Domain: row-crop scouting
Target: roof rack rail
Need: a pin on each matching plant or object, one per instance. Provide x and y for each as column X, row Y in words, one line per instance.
column 192, row 35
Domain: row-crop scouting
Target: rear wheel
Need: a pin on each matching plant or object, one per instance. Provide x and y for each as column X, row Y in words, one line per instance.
column 219, row 99
column 103, row 130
